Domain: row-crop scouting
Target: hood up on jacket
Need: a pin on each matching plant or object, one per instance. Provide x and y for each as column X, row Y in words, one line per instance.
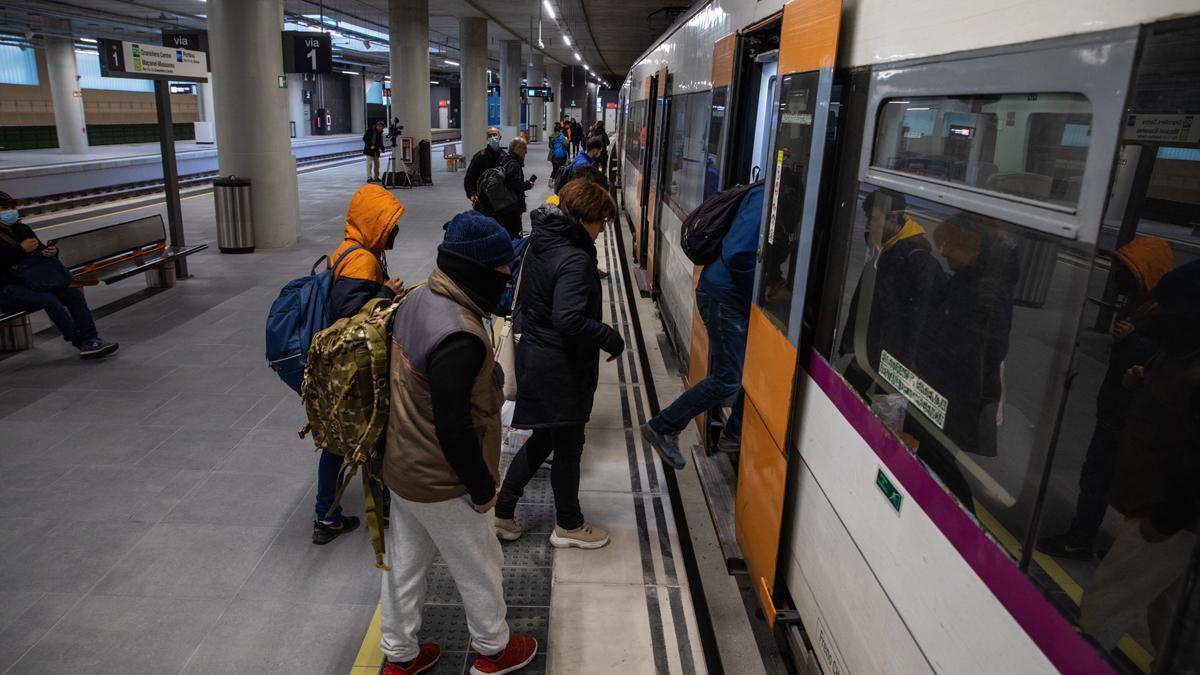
column 1148, row 259
column 372, row 216
column 552, row 227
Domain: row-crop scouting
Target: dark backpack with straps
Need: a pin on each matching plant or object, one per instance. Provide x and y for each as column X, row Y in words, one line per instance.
column 300, row 312
column 705, row 228
column 494, row 196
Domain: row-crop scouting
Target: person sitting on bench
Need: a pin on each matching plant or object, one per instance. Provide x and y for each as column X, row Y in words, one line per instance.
column 65, row 305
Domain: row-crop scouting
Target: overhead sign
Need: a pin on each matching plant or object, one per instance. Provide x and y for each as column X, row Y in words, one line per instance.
column 195, row 40
column 537, row 92
column 1163, row 128
column 305, row 52
column 151, row 62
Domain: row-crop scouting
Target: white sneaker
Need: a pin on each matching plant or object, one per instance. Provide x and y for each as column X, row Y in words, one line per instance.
column 587, row 536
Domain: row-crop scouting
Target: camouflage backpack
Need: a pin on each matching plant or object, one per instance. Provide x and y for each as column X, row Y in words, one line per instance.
column 345, row 394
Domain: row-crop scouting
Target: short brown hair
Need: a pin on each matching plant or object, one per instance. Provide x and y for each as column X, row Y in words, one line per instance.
column 587, row 202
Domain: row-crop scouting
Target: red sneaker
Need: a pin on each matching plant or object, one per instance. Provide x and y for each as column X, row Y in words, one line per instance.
column 520, row 651
column 426, row 659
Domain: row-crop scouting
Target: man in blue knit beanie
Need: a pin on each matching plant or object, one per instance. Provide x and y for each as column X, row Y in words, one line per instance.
column 441, row 461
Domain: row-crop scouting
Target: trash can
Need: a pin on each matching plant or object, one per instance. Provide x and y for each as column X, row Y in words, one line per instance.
column 235, row 220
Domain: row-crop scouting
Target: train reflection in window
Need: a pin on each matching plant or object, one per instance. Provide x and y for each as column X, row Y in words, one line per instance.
column 1026, row 145
column 793, row 140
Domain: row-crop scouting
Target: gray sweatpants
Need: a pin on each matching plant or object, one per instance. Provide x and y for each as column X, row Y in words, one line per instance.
column 468, row 543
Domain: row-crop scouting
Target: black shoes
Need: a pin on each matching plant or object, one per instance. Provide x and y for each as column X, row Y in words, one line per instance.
column 323, row 533
column 1068, row 546
column 97, row 348
column 667, row 446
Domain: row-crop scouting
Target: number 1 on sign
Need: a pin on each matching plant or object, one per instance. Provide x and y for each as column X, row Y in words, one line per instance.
column 312, row 56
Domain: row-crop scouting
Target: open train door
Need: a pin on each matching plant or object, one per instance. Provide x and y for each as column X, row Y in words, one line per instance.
column 640, row 234
column 808, row 48
column 647, row 277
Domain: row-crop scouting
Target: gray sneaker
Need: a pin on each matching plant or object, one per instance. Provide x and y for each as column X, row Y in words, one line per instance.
column 667, row 446
column 97, row 348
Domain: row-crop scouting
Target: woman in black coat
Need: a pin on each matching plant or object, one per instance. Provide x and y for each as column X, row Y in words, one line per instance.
column 557, row 358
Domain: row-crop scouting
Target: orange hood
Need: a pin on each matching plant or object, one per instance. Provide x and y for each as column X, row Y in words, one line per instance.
column 1148, row 259
column 372, row 214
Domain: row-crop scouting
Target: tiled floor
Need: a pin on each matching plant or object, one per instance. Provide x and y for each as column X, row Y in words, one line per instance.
column 157, row 505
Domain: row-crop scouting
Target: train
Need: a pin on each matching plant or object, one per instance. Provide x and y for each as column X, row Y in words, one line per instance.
column 905, row 451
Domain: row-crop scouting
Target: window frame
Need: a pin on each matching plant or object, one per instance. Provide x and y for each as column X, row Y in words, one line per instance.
column 1097, row 65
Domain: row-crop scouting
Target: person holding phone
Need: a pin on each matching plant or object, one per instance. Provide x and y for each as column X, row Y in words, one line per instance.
column 513, row 165
column 558, row 316
column 31, row 278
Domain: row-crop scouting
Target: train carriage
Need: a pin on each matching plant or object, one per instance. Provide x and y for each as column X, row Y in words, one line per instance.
column 946, row 184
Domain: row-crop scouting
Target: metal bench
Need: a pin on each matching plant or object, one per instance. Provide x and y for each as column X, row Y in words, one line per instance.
column 106, row 255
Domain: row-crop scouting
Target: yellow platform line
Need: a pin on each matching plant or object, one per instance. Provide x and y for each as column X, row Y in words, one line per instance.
column 370, row 659
column 1131, row 648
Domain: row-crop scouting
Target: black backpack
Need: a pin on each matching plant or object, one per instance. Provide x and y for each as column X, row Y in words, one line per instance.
column 494, row 197
column 705, row 228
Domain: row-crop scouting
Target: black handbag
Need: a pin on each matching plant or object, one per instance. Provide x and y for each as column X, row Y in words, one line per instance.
column 37, row 272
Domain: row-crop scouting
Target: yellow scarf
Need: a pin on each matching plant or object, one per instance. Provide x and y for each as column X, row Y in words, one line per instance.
column 911, row 229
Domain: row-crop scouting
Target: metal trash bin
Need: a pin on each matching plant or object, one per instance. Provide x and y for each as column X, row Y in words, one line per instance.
column 235, row 220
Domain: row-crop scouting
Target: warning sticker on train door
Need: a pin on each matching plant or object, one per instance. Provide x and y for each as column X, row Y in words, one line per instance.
column 920, row 394
column 775, row 198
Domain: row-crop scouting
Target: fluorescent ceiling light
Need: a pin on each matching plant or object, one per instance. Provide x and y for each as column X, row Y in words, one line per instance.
column 549, row 8
column 433, row 82
column 567, row 40
column 349, row 72
column 451, row 63
column 88, row 40
column 86, row 52
column 578, row 57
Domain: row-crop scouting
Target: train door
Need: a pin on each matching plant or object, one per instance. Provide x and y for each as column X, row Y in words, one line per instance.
column 753, row 78
column 641, row 235
column 647, row 277
column 807, row 48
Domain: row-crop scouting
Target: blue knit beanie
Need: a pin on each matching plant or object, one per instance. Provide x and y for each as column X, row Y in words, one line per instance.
column 480, row 238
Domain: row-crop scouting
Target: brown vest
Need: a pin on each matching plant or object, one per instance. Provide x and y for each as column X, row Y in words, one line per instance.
column 413, row 464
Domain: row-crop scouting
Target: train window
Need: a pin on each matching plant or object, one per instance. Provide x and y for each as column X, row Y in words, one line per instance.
column 685, row 177
column 714, row 152
column 1032, row 146
column 958, row 331
column 777, row 268
column 635, row 121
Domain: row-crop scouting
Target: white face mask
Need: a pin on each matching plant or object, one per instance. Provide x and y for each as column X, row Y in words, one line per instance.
column 494, row 141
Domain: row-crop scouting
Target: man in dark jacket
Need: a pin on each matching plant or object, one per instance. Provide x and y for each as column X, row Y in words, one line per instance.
column 359, row 275
column 514, row 181
column 441, row 460
column 588, row 156
column 558, row 316
column 723, row 298
column 67, row 308
column 577, row 137
column 372, row 149
column 1138, row 267
column 1158, row 467
column 490, row 156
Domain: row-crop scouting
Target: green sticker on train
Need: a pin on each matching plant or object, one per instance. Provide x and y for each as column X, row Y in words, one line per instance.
column 889, row 490
column 924, row 397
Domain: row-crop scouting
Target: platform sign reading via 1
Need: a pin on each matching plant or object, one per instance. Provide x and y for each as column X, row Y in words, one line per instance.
column 152, row 62
column 307, row 52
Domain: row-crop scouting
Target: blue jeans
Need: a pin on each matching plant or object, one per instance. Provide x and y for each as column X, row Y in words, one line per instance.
column 726, row 322
column 67, row 309
column 329, row 476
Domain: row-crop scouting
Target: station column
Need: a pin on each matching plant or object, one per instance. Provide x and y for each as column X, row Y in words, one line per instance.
column 66, row 96
column 533, row 76
column 408, row 23
column 295, row 96
column 358, row 104
column 554, row 108
column 252, row 113
column 510, row 86
column 472, row 38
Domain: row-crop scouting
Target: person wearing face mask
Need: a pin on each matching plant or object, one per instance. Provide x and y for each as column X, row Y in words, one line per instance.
column 490, row 156
column 588, row 156
column 442, row 453
column 558, row 317
column 1141, row 579
column 20, row 250
column 514, row 180
column 359, row 274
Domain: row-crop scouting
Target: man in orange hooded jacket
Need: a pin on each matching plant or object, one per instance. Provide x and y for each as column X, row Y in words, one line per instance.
column 359, row 276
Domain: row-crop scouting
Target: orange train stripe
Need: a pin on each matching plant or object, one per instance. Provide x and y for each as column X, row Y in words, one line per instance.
column 810, row 35
column 769, row 373
column 722, row 70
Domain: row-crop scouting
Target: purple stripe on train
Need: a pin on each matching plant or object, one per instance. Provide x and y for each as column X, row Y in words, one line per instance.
column 1062, row 644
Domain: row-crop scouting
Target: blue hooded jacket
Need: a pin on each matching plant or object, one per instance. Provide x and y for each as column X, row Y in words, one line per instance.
column 731, row 276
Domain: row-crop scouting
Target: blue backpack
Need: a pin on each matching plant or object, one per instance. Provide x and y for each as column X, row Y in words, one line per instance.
column 559, row 146
column 300, row 312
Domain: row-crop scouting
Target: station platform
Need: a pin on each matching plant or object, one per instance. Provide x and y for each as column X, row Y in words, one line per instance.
column 158, row 503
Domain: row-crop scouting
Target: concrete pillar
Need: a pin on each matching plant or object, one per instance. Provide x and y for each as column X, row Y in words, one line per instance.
column 473, row 39
column 358, row 104
column 66, row 96
column 408, row 22
column 533, row 76
column 252, row 113
column 510, row 86
column 295, row 97
column 554, row 108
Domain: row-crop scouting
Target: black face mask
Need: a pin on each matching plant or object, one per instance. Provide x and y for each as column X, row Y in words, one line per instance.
column 483, row 285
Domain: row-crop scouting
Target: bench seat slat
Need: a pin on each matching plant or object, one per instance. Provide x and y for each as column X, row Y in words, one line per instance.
column 114, row 273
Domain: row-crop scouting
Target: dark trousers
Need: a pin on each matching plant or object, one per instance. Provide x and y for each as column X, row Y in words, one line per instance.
column 567, row 445
column 67, row 309
column 726, row 323
column 1095, row 479
column 329, row 476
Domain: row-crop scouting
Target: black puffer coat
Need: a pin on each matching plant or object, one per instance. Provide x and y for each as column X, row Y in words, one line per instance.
column 558, row 318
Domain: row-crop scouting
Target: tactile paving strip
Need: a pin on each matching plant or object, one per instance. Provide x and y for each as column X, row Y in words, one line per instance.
column 523, row 586
column 531, row 550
